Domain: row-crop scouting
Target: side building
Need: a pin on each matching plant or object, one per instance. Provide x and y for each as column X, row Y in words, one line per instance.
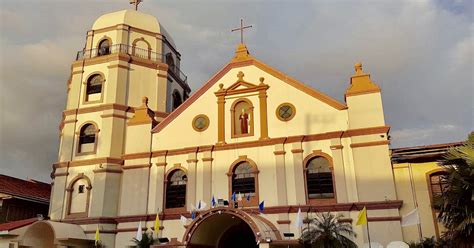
column 419, row 179
column 22, row 199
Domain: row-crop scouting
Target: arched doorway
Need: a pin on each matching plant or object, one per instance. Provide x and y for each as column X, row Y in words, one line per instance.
column 229, row 228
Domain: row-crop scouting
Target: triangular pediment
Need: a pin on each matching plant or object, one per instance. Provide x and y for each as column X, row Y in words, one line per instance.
column 240, row 85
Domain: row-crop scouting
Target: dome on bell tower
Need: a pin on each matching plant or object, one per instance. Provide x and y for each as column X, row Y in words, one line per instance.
column 128, row 17
column 134, row 19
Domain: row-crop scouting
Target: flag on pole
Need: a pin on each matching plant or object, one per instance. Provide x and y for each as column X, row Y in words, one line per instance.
column 362, row 219
column 97, row 235
column 261, row 206
column 299, row 219
column 213, row 201
column 248, row 197
column 139, row 232
column 183, row 220
column 233, row 197
column 411, row 218
column 239, row 198
column 157, row 224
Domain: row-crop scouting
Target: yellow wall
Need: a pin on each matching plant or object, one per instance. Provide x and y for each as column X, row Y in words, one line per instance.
column 412, row 188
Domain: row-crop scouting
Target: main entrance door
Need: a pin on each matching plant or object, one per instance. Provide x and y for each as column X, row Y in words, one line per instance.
column 223, row 230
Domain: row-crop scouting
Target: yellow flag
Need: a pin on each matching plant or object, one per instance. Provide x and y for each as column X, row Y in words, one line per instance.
column 97, row 235
column 362, row 219
column 157, row 224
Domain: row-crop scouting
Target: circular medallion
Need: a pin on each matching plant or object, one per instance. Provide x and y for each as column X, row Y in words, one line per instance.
column 200, row 123
column 285, row 111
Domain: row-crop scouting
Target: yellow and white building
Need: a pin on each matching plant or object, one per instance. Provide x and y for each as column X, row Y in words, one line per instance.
column 134, row 143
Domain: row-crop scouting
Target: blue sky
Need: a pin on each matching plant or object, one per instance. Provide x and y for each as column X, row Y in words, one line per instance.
column 419, row 52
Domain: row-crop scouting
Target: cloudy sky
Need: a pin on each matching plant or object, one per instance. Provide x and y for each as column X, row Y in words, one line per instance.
column 420, row 52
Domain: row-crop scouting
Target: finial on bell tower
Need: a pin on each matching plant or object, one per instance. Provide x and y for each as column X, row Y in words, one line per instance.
column 136, row 3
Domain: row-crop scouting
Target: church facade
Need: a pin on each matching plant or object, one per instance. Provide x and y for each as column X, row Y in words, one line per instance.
column 134, row 143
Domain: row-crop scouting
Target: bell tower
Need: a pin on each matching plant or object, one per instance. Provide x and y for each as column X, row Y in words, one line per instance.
column 129, row 69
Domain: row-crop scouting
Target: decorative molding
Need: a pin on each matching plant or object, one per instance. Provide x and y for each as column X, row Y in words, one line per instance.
column 107, row 170
column 279, row 152
column 98, row 108
column 136, row 166
column 104, row 160
column 297, row 150
column 336, row 147
column 365, row 131
column 351, row 206
column 114, row 115
column 136, row 155
column 119, row 66
column 293, row 111
column 60, row 174
column 371, row 143
column 193, row 123
column 361, row 83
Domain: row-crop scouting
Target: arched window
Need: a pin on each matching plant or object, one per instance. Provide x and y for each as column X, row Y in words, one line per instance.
column 104, row 47
column 242, row 118
column 319, row 179
column 243, row 176
column 176, row 189
column 79, row 196
column 170, row 61
column 438, row 185
column 87, row 138
column 94, row 88
column 176, row 99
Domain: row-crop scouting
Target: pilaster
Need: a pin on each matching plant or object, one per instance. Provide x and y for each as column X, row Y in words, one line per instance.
column 58, row 196
column 192, row 179
column 105, row 196
column 297, row 152
column 221, row 119
column 157, row 185
column 116, row 83
column 207, row 176
column 280, row 175
column 262, row 97
column 339, row 170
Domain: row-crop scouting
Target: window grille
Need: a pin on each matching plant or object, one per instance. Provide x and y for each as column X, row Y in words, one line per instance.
column 176, row 189
column 319, row 180
column 243, row 179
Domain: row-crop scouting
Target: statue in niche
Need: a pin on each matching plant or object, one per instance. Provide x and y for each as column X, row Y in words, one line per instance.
column 244, row 122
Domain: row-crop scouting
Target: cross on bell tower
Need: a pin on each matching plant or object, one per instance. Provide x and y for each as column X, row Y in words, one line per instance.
column 136, row 3
column 241, row 30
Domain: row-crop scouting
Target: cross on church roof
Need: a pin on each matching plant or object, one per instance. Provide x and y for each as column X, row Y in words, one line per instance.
column 136, row 3
column 241, row 30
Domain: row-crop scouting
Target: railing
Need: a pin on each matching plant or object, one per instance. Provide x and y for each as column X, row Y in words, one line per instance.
column 130, row 50
column 178, row 73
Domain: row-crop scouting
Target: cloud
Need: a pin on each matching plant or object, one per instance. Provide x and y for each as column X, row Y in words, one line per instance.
column 420, row 136
column 419, row 52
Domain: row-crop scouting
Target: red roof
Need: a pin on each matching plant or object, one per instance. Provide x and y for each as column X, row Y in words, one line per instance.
column 17, row 224
column 27, row 189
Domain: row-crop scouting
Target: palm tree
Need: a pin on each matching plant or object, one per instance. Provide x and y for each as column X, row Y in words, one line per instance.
column 325, row 231
column 457, row 204
column 146, row 242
